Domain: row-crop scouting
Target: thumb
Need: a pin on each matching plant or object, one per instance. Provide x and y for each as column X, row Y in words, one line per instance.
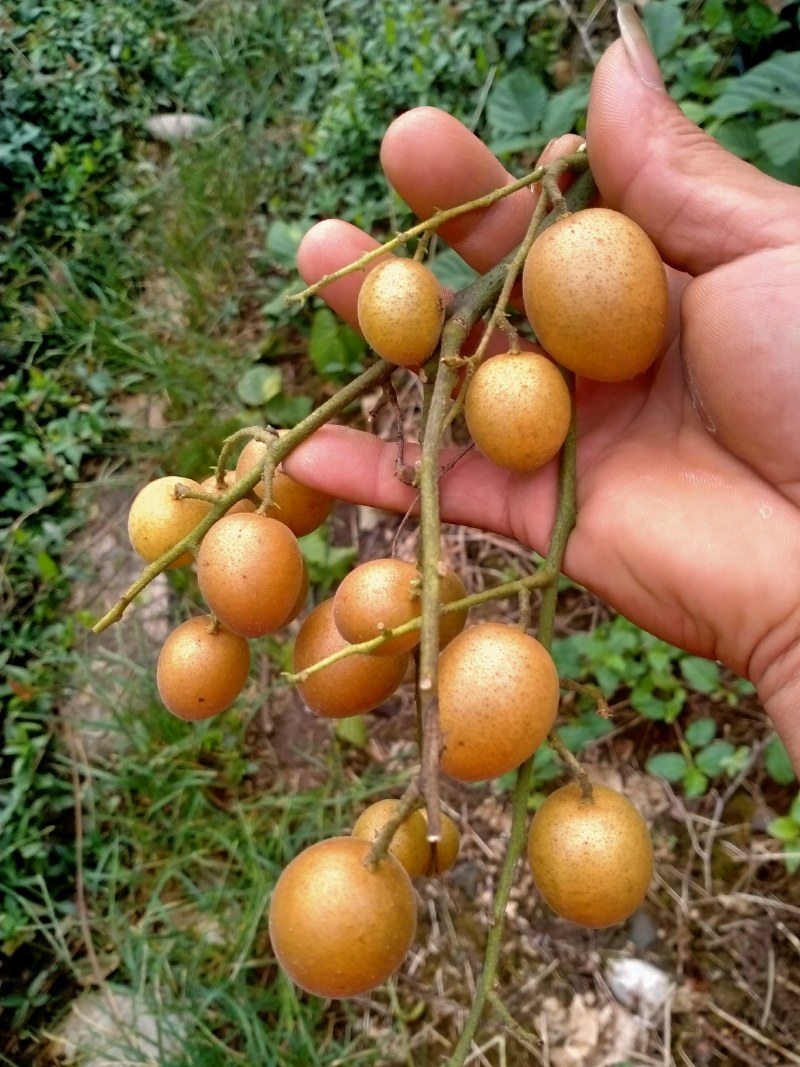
column 700, row 204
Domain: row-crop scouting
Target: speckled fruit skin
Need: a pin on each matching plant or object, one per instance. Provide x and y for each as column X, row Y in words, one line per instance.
column 592, row 861
column 518, row 410
column 453, row 622
column 351, row 686
column 250, row 571
column 410, row 842
column 401, row 311
column 200, row 674
column 498, row 697
column 297, row 506
column 157, row 521
column 339, row 929
column 595, row 291
column 378, row 594
column 209, row 485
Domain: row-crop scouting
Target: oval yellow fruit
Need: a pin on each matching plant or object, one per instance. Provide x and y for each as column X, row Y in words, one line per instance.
column 518, row 410
column 595, row 291
column 401, row 311
column 498, row 697
column 339, row 929
column 591, row 860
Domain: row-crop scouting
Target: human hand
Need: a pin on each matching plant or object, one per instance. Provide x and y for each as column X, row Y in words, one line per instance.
column 688, row 476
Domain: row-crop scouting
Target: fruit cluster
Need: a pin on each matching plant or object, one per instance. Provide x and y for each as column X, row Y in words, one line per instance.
column 343, row 913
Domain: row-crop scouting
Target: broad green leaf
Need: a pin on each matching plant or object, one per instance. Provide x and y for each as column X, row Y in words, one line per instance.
column 285, row 410
column 577, row 735
column 780, row 141
column 776, row 760
column 283, row 240
column 695, row 783
column 516, row 105
column 740, row 137
column 665, row 24
column 669, row 765
column 794, row 811
column 334, row 347
column 259, row 385
column 775, row 83
column 48, row 568
column 700, row 732
column 648, row 704
column 783, row 828
column 701, row 674
column 451, row 270
column 562, row 110
column 711, row 760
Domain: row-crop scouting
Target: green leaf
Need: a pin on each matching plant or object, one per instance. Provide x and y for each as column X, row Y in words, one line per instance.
column 664, row 23
column 775, row 83
column 48, row 568
column 740, row 137
column 700, row 732
column 784, row 828
column 792, row 852
column 352, row 731
column 580, row 733
column 776, row 760
column 648, row 704
column 259, row 385
column 283, row 240
column 451, row 270
column 334, row 347
column 701, row 674
column 780, row 141
column 563, row 109
column 695, row 783
column 711, row 760
column 794, row 810
column 669, row 765
column 516, row 105
column 285, row 410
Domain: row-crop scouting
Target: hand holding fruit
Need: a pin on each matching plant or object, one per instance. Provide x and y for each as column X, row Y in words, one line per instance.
column 688, row 491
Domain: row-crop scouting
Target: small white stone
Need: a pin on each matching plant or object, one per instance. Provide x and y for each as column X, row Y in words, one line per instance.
column 177, row 126
column 639, row 985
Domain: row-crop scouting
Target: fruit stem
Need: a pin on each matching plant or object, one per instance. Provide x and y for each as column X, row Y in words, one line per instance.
column 368, row 379
column 566, row 511
column 569, row 758
column 409, row 802
column 578, row 161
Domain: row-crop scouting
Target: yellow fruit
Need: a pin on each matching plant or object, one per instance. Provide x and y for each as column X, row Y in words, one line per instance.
column 157, row 521
column 377, row 596
column 209, row 485
column 518, row 410
column 199, row 674
column 591, row 860
column 339, row 929
column 595, row 292
column 445, row 852
column 352, row 685
column 498, row 697
column 453, row 622
column 409, row 844
column 250, row 572
column 401, row 311
column 297, row 506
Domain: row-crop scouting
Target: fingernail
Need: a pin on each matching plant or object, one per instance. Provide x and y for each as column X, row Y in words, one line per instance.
column 637, row 46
